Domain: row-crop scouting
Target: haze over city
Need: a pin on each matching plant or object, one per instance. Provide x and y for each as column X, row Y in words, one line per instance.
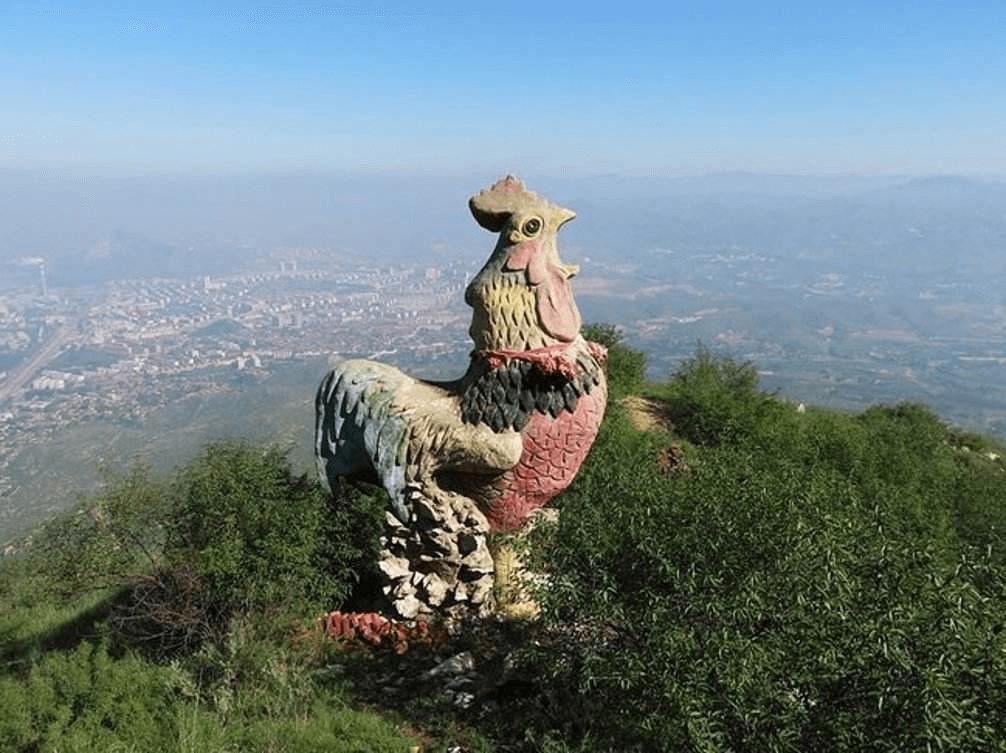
column 201, row 206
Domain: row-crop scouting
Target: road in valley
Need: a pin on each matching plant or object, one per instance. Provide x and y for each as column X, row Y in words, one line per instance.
column 24, row 373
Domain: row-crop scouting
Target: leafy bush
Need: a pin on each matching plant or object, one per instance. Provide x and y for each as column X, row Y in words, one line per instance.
column 211, row 560
column 712, row 400
column 806, row 585
column 107, row 538
column 626, row 367
column 235, row 530
column 88, row 699
column 254, row 534
column 245, row 534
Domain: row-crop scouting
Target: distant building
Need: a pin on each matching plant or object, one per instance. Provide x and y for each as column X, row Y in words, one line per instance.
column 209, row 285
column 46, row 383
column 243, row 361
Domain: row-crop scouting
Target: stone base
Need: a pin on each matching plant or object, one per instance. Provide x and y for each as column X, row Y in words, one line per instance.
column 440, row 564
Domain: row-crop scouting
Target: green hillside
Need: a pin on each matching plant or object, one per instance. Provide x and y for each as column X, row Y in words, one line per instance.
column 729, row 572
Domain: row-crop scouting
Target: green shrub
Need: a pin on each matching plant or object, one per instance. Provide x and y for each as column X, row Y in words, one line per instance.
column 86, row 700
column 254, row 534
column 245, row 534
column 89, row 700
column 805, row 585
column 106, row 538
column 234, row 530
column 626, row 367
column 712, row 400
column 214, row 560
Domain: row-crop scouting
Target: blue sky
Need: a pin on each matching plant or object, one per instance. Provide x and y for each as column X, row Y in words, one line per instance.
column 866, row 87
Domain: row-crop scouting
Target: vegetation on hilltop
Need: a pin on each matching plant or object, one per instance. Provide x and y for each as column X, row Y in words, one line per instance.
column 178, row 614
column 805, row 581
column 750, row 578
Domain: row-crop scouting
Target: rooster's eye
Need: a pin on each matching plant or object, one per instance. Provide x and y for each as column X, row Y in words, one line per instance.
column 531, row 227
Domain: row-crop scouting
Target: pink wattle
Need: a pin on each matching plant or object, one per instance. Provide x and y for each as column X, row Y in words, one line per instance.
column 557, row 313
column 556, row 310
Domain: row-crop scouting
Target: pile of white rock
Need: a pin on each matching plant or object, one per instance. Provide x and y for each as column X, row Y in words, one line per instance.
column 440, row 563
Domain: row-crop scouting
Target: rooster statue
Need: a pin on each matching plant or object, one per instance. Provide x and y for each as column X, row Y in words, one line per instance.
column 465, row 459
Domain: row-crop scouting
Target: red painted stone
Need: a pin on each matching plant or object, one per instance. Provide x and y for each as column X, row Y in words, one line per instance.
column 551, row 359
column 554, row 450
column 374, row 629
column 553, row 294
column 556, row 310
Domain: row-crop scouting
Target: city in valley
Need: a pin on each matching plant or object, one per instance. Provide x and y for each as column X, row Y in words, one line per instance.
column 147, row 369
column 119, row 352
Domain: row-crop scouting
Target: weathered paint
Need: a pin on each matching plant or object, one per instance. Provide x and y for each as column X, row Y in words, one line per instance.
column 464, row 458
column 554, row 450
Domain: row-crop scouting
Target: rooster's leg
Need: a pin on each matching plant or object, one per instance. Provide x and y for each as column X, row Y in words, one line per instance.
column 439, row 563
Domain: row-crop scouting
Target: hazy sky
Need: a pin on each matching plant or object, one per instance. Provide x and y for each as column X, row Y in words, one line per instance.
column 878, row 86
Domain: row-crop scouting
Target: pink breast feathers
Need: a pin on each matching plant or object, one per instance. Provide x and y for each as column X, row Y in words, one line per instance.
column 554, row 449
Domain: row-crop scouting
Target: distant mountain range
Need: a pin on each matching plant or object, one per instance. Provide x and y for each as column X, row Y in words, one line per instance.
column 94, row 229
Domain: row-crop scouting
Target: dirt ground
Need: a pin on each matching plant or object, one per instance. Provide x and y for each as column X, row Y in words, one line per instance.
column 646, row 413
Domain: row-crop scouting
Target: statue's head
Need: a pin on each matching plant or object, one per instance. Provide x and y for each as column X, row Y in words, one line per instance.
column 521, row 299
